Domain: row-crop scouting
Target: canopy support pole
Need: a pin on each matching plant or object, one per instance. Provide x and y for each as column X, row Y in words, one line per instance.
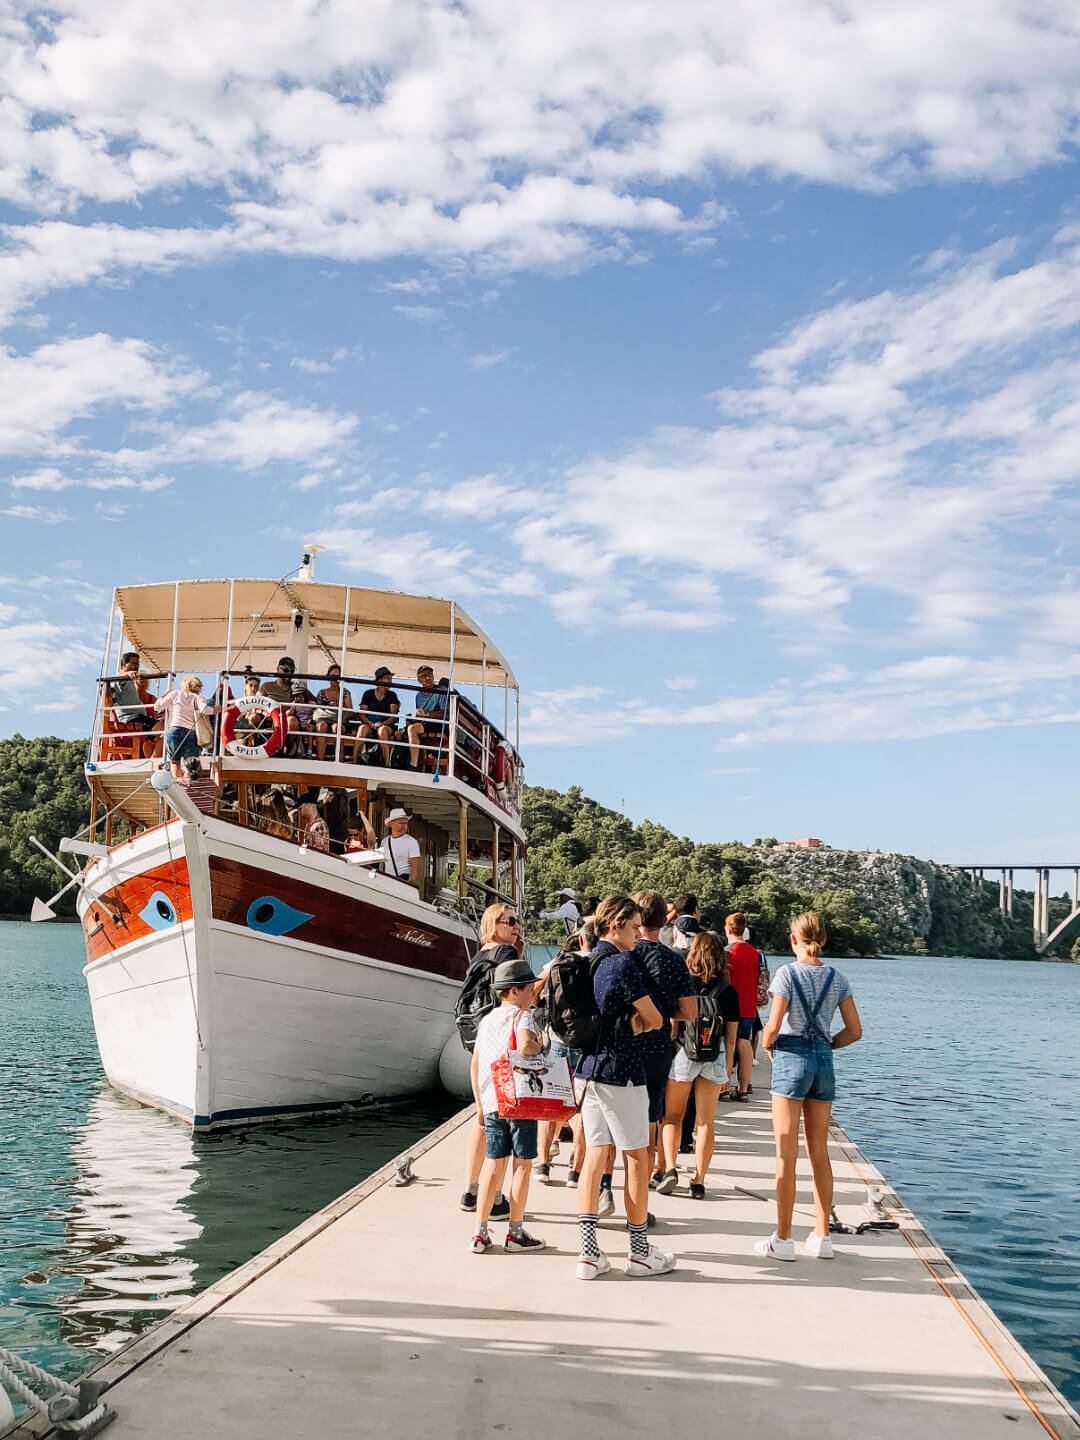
column 341, row 685
column 463, row 848
column 99, row 709
column 223, row 678
column 175, row 628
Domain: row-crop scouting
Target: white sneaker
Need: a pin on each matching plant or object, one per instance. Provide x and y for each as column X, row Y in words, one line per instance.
column 820, row 1246
column 656, row 1262
column 775, row 1248
column 589, row 1269
column 606, row 1205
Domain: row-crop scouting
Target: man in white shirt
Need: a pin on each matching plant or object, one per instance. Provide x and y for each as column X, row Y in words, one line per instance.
column 400, row 850
column 567, row 912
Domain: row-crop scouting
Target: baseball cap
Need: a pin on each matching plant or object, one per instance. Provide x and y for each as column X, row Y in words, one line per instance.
column 384, row 673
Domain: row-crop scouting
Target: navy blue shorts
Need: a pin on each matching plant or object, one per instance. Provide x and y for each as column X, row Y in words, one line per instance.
column 180, row 742
column 656, row 1078
column 503, row 1138
column 802, row 1069
column 746, row 1028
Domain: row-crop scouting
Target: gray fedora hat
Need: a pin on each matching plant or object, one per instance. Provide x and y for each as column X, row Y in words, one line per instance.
column 512, row 973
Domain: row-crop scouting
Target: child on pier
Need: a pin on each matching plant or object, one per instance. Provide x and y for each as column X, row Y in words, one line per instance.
column 516, row 986
column 798, row 1040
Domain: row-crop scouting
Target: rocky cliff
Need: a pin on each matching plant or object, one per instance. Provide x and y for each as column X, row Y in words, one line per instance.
column 918, row 907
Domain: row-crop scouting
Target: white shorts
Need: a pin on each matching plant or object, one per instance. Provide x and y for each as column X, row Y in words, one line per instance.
column 682, row 1069
column 616, row 1115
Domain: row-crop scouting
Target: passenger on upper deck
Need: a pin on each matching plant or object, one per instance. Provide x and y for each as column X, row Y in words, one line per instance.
column 303, row 711
column 280, row 688
column 331, row 699
column 378, row 711
column 427, row 724
column 133, row 705
column 180, row 708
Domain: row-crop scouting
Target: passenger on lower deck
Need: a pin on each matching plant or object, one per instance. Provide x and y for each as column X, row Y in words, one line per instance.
column 203, row 790
column 400, row 850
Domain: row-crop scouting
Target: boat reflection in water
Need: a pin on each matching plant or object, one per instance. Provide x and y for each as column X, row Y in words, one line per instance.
column 131, row 1227
column 157, row 1215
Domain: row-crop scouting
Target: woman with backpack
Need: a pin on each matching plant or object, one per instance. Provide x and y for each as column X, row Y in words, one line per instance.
column 500, row 940
column 704, row 1062
column 798, row 1038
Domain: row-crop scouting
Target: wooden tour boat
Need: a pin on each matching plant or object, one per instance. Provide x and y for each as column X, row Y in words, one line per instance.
column 236, row 973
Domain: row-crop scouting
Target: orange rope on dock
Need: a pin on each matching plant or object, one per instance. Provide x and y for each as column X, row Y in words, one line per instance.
column 987, row 1346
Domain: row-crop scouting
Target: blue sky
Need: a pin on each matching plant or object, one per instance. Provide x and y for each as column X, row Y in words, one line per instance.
column 722, row 366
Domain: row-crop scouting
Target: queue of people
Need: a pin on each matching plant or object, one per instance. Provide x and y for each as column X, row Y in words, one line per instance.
column 651, row 1028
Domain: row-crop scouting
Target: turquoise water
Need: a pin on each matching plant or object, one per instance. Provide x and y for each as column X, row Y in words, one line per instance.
column 965, row 1092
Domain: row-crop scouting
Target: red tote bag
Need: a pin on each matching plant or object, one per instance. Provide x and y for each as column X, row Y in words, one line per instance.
column 532, row 1087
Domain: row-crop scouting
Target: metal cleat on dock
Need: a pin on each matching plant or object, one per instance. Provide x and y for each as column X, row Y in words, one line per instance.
column 404, row 1174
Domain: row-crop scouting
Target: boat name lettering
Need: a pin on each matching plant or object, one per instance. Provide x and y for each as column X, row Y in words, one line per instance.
column 412, row 936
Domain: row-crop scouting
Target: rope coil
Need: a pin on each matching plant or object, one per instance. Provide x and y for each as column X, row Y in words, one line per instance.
column 74, row 1409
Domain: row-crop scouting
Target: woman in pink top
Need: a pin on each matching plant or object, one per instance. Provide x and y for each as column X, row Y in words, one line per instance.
column 180, row 708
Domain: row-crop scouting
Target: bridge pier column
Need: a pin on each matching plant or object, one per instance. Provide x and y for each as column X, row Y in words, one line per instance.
column 1076, row 889
column 1047, row 926
column 1001, row 892
column 1009, row 901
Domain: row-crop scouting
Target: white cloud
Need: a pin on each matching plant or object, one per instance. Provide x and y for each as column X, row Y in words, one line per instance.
column 484, row 134
column 36, row 513
column 487, row 358
column 311, row 367
column 422, row 314
column 43, row 392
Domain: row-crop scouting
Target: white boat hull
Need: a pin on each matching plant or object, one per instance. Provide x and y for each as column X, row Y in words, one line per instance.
column 200, row 1010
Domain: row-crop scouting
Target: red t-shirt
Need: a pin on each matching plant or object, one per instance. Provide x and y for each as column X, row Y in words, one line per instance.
column 743, row 973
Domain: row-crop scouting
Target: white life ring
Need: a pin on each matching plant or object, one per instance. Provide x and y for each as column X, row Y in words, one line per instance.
column 249, row 705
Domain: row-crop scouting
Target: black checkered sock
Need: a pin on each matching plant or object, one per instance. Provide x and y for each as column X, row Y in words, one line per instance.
column 639, row 1239
column 605, row 1182
column 590, row 1246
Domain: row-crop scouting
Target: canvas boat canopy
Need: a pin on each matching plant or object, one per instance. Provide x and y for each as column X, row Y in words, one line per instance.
column 208, row 625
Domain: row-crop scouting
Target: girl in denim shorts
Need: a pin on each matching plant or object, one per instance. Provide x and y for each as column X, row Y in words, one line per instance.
column 799, row 1040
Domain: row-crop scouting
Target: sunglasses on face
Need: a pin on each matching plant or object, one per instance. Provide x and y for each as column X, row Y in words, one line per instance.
column 512, row 921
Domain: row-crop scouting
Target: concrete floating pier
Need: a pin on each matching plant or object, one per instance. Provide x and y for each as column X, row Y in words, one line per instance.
column 374, row 1318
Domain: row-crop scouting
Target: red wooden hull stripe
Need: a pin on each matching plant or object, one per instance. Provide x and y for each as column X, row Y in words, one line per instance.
column 339, row 922
column 115, row 919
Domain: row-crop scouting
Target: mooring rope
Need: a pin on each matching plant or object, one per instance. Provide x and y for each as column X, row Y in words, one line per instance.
column 62, row 1408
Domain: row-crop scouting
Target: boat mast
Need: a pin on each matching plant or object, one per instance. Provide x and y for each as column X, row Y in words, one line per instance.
column 299, row 633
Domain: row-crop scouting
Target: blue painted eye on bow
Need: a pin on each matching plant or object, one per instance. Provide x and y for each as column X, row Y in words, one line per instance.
column 273, row 917
column 159, row 912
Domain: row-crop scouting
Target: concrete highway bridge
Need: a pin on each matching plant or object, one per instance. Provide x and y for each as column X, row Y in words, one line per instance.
column 1044, row 936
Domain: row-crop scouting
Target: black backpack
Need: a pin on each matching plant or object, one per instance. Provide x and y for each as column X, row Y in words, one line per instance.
column 570, row 1007
column 703, row 1038
column 476, row 999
